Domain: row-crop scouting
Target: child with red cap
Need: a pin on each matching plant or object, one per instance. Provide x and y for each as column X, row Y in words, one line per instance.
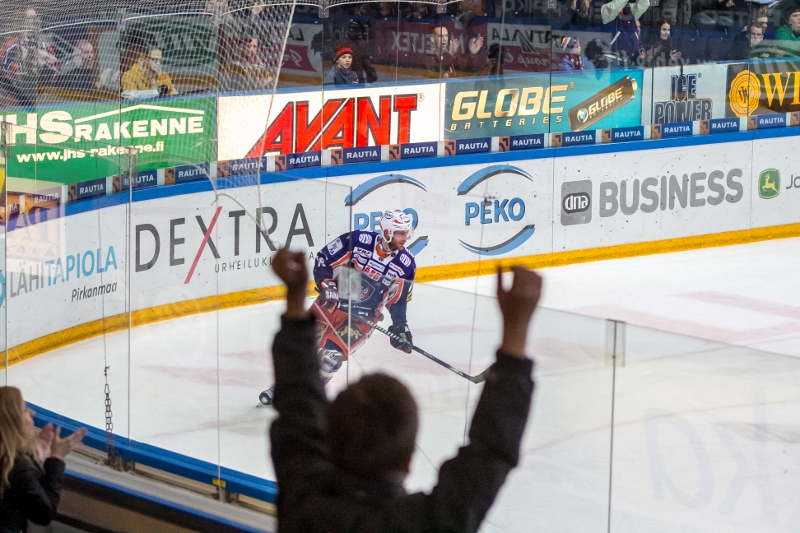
column 341, row 73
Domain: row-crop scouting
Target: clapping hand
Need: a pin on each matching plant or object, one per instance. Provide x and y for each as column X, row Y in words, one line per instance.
column 43, row 441
column 60, row 448
column 475, row 44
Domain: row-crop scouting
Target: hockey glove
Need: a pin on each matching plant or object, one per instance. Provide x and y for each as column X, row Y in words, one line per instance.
column 328, row 295
column 401, row 338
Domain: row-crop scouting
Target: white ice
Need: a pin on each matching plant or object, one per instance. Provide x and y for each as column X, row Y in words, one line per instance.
column 705, row 423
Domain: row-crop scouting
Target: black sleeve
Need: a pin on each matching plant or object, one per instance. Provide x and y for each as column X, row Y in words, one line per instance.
column 468, row 483
column 297, row 435
column 37, row 495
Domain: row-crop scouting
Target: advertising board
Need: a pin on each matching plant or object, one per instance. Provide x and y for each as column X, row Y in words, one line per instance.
column 762, row 87
column 776, row 182
column 310, row 121
column 688, row 93
column 607, row 200
column 301, row 57
column 80, row 142
column 541, row 103
column 461, row 213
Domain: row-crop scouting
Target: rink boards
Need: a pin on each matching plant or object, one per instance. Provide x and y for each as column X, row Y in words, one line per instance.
column 75, row 271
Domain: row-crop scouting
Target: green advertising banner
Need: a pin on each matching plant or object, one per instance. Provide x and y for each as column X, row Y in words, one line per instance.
column 543, row 103
column 72, row 143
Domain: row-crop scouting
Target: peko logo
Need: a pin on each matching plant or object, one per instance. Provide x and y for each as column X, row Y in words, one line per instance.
column 498, row 211
column 237, row 232
column 371, row 219
column 697, row 189
column 576, row 202
column 769, row 183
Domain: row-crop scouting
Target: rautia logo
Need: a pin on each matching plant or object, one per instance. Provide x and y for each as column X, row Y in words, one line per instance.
column 697, row 189
column 342, row 122
column 576, row 202
column 769, row 183
column 499, row 210
column 231, row 232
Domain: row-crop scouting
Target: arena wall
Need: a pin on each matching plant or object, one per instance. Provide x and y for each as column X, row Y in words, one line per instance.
column 70, row 271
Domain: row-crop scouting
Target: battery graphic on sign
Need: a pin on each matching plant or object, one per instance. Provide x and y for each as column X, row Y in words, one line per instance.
column 602, row 104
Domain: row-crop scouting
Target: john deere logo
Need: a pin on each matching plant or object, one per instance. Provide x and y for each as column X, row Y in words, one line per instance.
column 769, row 183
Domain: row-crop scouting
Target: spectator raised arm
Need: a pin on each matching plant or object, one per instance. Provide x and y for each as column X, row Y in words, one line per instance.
column 329, row 456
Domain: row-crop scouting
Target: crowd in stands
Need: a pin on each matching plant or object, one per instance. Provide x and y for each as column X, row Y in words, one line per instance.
column 389, row 41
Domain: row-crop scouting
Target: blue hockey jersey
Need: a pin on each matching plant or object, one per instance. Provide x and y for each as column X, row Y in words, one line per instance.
column 386, row 280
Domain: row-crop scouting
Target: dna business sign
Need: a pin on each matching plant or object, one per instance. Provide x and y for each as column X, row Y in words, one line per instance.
column 75, row 143
column 542, row 103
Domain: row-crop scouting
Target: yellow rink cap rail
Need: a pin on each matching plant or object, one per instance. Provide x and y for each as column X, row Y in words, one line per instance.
column 160, row 313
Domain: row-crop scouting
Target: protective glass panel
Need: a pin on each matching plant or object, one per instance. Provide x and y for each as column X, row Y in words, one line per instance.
column 65, row 278
column 700, row 435
column 302, row 215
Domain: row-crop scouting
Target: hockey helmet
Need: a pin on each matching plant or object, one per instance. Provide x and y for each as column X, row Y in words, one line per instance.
column 396, row 220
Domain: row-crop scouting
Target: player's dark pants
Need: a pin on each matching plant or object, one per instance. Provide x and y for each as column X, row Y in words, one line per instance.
column 339, row 334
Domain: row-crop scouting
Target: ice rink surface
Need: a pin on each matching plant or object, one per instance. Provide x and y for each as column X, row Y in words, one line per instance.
column 705, row 432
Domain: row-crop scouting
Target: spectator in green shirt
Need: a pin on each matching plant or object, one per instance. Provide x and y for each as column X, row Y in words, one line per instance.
column 789, row 33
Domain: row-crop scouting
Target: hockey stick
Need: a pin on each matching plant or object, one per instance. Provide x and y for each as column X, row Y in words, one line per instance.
column 480, row 378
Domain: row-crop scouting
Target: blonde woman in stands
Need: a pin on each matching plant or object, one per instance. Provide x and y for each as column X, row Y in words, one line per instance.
column 31, row 466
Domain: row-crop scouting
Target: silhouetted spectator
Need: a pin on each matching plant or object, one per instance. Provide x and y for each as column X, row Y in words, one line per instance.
column 341, row 72
column 620, row 17
column 148, row 74
column 662, row 52
column 26, row 60
column 340, row 466
column 362, row 65
column 446, row 61
column 80, row 77
column 248, row 72
column 580, row 13
column 573, row 57
column 789, row 33
column 749, row 43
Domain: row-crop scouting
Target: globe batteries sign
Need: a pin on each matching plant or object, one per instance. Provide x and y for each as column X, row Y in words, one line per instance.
column 542, row 103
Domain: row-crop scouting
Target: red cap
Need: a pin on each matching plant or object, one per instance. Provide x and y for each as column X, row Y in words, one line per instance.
column 342, row 51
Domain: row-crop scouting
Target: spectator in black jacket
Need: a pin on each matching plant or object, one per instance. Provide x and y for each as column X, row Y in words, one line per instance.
column 621, row 18
column 30, row 481
column 340, row 466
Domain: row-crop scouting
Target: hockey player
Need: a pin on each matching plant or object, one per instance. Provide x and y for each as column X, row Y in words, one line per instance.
column 387, row 277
